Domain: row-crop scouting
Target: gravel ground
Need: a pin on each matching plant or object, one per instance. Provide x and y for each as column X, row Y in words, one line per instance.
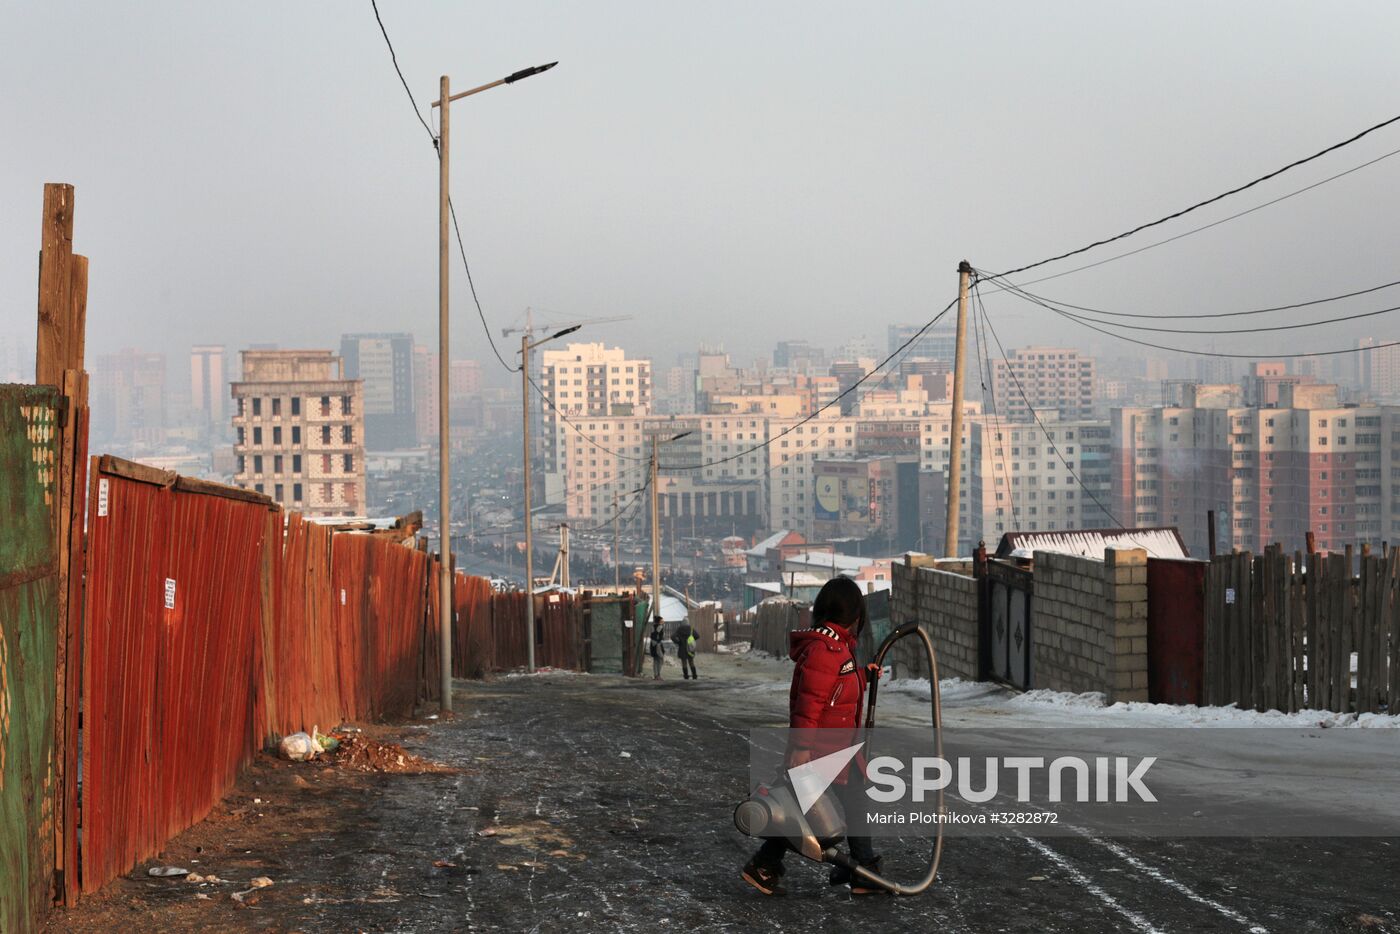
column 601, row 803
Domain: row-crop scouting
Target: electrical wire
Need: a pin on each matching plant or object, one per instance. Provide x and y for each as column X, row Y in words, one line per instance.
column 581, row 433
column 1208, row 201
column 1001, row 442
column 1186, row 350
column 845, row 392
column 1254, row 330
column 452, row 209
column 1045, row 431
column 1011, row 286
column 395, row 60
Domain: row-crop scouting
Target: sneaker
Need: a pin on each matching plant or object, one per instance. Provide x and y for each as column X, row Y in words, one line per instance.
column 843, row 876
column 766, row 880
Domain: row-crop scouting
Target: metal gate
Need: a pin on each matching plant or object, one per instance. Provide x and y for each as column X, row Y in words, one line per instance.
column 1008, row 626
column 1176, row 629
column 605, row 635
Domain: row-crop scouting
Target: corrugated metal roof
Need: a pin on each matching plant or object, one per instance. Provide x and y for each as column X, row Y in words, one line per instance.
column 1161, row 542
column 772, row 541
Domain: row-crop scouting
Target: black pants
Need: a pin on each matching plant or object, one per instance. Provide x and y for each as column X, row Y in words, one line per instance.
column 853, row 801
column 688, row 665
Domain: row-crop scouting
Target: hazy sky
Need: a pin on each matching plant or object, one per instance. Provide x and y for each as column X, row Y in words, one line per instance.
column 251, row 172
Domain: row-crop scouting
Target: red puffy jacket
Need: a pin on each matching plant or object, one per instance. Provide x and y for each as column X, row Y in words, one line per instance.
column 828, row 688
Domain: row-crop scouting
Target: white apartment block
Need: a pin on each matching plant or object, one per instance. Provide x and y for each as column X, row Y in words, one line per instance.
column 586, row 381
column 1053, row 379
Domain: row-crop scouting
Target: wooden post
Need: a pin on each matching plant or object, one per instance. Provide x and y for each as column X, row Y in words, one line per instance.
column 950, row 532
column 1296, row 625
column 1210, row 531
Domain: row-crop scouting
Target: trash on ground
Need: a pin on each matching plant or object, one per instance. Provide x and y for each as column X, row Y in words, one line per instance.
column 165, row 872
column 443, row 864
column 299, row 747
column 626, row 755
column 366, row 755
column 261, row 882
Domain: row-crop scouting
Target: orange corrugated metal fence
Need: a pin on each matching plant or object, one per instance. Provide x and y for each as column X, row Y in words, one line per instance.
column 172, row 631
column 210, row 628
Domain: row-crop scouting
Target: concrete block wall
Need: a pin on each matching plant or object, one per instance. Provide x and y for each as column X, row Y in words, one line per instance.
column 1125, row 587
column 1068, row 617
column 945, row 604
column 1090, row 624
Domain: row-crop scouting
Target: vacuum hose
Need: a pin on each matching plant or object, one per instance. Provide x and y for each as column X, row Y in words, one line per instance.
column 831, row 854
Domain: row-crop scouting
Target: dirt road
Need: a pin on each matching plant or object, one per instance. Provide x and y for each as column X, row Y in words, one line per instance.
column 599, row 803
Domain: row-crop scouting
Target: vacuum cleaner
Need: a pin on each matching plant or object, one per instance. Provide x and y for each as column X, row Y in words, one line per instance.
column 773, row 810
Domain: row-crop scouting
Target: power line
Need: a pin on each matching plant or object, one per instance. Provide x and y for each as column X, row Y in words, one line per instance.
column 1045, row 431
column 395, row 59
column 1196, row 230
column 845, row 392
column 1186, row 350
column 1011, row 286
column 1001, row 445
column 452, row 209
column 1254, row 330
column 1208, row 201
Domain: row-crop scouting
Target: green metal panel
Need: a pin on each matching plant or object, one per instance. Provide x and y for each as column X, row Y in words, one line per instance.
column 28, row 626
column 606, row 634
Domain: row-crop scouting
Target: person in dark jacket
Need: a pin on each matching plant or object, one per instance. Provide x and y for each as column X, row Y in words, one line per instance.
column 656, row 647
column 827, row 693
column 684, row 638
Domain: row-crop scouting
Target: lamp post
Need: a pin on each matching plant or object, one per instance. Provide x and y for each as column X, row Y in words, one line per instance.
column 444, row 101
column 525, row 347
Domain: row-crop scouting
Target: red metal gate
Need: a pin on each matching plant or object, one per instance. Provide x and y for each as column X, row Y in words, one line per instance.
column 1176, row 617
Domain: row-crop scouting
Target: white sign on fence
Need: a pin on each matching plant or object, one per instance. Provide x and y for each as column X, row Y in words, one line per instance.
column 102, row 497
column 170, row 593
column 1229, row 595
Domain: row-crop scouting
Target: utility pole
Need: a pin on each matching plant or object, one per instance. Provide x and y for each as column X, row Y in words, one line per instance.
column 444, row 105
column 529, row 518
column 950, row 537
column 444, row 431
column 655, row 534
column 617, row 542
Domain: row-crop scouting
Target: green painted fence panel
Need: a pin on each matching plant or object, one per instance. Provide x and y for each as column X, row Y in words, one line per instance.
column 28, row 625
column 606, row 636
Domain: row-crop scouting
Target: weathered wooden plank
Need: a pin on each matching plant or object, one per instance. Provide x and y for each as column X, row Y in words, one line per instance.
column 52, row 354
column 1317, row 657
column 1262, row 605
column 1297, row 631
column 1245, row 631
column 120, row 467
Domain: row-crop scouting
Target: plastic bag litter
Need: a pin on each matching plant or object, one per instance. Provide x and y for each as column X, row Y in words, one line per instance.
column 299, row 747
column 165, row 872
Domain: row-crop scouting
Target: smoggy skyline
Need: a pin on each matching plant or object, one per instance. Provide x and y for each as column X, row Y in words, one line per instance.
column 737, row 176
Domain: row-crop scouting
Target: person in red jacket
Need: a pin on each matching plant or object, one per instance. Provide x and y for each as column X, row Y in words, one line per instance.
column 827, row 693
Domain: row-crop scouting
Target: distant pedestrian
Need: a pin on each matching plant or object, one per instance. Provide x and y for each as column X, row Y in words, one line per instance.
column 684, row 638
column 656, row 646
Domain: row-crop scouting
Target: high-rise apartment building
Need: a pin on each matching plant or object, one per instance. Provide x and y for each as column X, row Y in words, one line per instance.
column 586, row 381
column 299, row 431
column 1270, row 474
column 384, row 363
column 209, row 387
column 934, row 344
column 1379, row 369
column 128, row 398
column 1046, row 379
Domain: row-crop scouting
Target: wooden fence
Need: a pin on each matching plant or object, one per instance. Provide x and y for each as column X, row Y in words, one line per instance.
column 1294, row 632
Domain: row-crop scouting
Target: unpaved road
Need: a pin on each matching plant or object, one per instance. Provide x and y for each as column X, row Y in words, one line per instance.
column 594, row 803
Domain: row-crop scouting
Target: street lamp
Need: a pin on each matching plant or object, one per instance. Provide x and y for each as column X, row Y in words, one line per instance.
column 525, row 347
column 444, row 101
column 656, row 443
